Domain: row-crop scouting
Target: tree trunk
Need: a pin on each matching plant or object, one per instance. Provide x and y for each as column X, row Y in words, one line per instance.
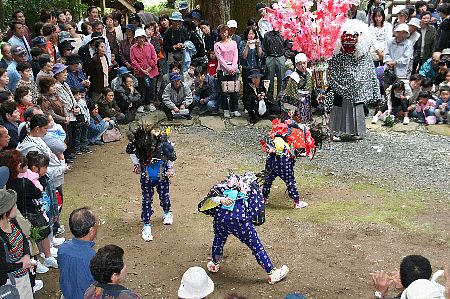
column 2, row 16
column 215, row 11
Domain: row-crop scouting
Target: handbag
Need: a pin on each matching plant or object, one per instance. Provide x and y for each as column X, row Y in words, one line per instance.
column 8, row 291
column 231, row 86
column 111, row 135
column 389, row 77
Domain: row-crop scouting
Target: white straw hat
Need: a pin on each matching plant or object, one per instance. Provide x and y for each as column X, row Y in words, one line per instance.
column 195, row 284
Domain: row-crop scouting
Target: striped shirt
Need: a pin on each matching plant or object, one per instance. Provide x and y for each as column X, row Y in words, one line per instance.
column 15, row 239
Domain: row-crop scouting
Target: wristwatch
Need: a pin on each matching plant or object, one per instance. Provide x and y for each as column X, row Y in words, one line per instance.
column 378, row 294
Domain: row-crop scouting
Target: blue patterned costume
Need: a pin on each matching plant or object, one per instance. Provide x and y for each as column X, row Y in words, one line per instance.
column 237, row 220
column 280, row 166
column 154, row 155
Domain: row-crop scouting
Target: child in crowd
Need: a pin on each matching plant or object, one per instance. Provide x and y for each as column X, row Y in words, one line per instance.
column 26, row 79
column 425, row 107
column 212, row 64
column 55, row 138
column 235, row 204
column 23, row 97
column 80, row 141
column 427, row 85
column 397, row 103
column 97, row 125
column 153, row 156
column 442, row 108
column 446, row 81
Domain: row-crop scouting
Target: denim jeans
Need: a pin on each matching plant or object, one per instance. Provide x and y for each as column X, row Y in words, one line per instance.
column 212, row 105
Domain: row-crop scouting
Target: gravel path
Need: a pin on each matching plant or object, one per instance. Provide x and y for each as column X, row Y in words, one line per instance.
column 404, row 161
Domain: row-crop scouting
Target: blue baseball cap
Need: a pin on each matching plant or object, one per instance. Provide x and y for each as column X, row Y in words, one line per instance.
column 122, row 71
column 175, row 76
column 39, row 41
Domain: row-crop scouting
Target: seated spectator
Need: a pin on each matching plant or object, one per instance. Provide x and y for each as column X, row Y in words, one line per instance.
column 205, row 92
column 427, row 85
column 23, row 98
column 128, row 98
column 430, row 67
column 412, row 268
column 46, row 64
column 117, row 81
column 444, row 66
column 424, row 108
column 447, row 79
column 76, row 77
column 399, row 52
column 177, row 97
column 174, row 67
column 257, row 95
column 195, row 283
column 11, row 118
column 109, row 270
column 97, row 125
column 75, row 255
column 397, row 103
column 107, row 107
column 26, row 79
column 442, row 108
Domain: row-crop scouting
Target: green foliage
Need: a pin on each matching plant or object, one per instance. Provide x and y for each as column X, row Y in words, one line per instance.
column 35, row 233
column 32, row 9
column 389, row 122
column 157, row 9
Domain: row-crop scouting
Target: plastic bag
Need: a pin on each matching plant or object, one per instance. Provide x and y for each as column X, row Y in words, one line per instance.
column 262, row 107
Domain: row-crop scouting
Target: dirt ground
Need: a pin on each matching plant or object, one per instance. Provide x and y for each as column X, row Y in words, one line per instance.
column 326, row 260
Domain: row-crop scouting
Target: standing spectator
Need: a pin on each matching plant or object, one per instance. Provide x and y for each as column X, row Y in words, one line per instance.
column 7, row 57
column 75, row 255
column 76, row 78
column 371, row 6
column 354, row 13
column 414, row 27
column 49, row 101
column 4, row 81
column 18, row 16
column 227, row 56
column 109, row 270
column 125, row 46
column 113, row 34
column 199, row 58
column 19, row 56
column 183, row 8
column 16, row 261
column 424, row 46
column 11, row 118
column 80, row 141
column 26, row 79
column 250, row 54
column 46, row 64
column 97, row 70
column 36, row 53
column 402, row 18
column 420, row 7
column 98, row 26
column 174, row 38
column 164, row 24
column 209, row 36
column 24, row 100
column 18, row 38
column 146, row 17
column 71, row 27
column 263, row 24
column 70, row 109
column 443, row 33
column 93, row 16
column 232, row 26
column 49, row 33
column 274, row 47
column 399, row 53
column 145, row 64
column 382, row 31
column 69, row 17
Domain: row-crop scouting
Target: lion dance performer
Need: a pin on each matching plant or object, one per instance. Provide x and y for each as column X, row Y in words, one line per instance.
column 237, row 205
column 287, row 141
column 153, row 156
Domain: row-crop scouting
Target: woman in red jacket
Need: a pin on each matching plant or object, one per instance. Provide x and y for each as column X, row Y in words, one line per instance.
column 145, row 63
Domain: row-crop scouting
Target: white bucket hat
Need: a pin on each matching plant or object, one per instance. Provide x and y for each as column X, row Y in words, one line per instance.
column 415, row 22
column 195, row 284
column 402, row 27
column 139, row 32
column 301, row 57
column 232, row 24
